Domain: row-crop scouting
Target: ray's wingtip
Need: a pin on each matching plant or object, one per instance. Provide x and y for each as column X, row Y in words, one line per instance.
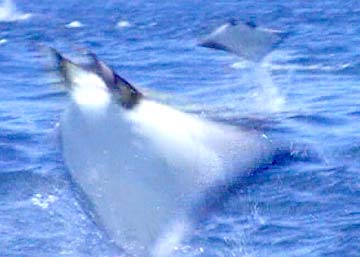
column 52, row 53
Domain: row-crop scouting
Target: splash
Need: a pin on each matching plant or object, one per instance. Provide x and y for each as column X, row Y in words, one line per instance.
column 266, row 97
column 9, row 12
column 90, row 91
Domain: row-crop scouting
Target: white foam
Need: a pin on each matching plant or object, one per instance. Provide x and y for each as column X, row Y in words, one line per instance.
column 3, row 41
column 123, row 24
column 43, row 201
column 243, row 64
column 266, row 98
column 90, row 91
column 170, row 241
column 310, row 67
column 74, row 24
column 9, row 12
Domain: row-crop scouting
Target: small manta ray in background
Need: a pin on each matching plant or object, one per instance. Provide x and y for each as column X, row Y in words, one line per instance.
column 142, row 164
column 244, row 39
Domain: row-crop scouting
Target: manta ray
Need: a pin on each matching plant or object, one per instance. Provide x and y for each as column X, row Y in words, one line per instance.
column 142, row 164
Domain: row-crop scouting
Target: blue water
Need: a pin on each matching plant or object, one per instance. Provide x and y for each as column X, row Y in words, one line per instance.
column 305, row 96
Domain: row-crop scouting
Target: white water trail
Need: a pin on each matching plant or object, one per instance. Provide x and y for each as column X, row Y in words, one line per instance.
column 266, row 97
column 9, row 12
column 143, row 169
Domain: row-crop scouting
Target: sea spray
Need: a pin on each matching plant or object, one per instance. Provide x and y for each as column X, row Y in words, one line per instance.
column 267, row 97
column 9, row 12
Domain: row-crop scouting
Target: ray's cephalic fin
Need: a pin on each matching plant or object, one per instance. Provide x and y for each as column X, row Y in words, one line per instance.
column 129, row 95
column 62, row 65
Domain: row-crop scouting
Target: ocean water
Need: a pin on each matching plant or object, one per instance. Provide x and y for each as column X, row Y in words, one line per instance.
column 304, row 95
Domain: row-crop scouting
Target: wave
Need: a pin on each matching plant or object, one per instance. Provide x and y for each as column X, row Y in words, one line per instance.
column 9, row 12
column 123, row 24
column 74, row 24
